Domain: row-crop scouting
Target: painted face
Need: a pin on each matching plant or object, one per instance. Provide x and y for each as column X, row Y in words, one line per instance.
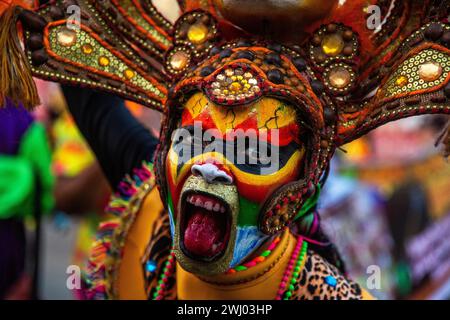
column 223, row 164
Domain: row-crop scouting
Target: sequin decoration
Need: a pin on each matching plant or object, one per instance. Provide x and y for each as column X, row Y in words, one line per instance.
column 429, row 68
column 87, row 51
column 143, row 23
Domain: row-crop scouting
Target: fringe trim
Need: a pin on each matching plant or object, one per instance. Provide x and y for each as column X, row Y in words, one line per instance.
column 102, row 253
column 16, row 77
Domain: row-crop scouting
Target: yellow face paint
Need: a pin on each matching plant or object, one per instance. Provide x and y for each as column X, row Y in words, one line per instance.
column 267, row 118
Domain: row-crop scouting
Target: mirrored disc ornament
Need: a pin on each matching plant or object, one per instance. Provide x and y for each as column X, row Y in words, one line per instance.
column 66, row 37
column 430, row 71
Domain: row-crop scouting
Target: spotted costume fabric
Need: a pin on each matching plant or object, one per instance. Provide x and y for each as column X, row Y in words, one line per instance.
column 321, row 280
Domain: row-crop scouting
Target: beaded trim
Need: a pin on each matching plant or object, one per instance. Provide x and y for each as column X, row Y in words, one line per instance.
column 293, row 270
column 262, row 257
column 167, row 272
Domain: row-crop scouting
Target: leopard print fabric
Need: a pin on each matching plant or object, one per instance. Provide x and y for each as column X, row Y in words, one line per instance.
column 319, row 280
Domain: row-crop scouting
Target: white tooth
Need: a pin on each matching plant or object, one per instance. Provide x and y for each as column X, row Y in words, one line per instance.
column 216, row 207
column 222, row 209
column 208, row 205
column 189, row 199
column 198, row 202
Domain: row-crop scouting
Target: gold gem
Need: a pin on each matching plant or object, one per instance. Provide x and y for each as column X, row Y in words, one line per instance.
column 339, row 77
column 332, row 45
column 66, row 37
column 179, row 60
column 401, row 81
column 87, row 48
column 235, row 87
column 430, row 71
column 103, row 61
column 129, row 74
column 197, row 33
column 248, row 75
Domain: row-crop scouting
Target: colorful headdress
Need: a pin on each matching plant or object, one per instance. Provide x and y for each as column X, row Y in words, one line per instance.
column 347, row 66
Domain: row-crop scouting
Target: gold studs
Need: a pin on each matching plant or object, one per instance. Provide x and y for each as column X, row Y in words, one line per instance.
column 66, row 37
column 87, row 48
column 401, row 81
column 332, row 45
column 339, row 77
column 129, row 74
column 179, row 60
column 430, row 71
column 197, row 33
column 103, row 61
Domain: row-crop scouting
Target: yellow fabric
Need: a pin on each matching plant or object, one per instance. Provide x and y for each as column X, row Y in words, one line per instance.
column 130, row 282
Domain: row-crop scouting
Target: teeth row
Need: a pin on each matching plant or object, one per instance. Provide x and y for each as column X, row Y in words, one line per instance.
column 208, row 205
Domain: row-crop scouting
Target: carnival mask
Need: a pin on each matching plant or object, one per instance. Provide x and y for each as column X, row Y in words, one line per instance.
column 223, row 164
column 306, row 77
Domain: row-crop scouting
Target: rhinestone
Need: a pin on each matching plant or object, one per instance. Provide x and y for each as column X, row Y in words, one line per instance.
column 253, row 81
column 248, row 75
column 217, row 92
column 430, row 71
column 197, row 33
column 103, row 61
column 179, row 60
column 401, row 81
column 87, row 48
column 215, row 85
column 129, row 74
column 339, row 77
column 235, row 87
column 220, row 77
column 256, row 89
column 229, row 72
column 66, row 37
column 332, row 45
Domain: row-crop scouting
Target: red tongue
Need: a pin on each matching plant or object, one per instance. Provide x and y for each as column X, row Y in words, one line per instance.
column 202, row 232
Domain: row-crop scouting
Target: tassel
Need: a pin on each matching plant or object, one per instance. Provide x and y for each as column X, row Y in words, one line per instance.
column 16, row 81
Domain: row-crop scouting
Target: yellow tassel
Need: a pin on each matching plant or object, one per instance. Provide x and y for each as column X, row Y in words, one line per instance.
column 16, row 81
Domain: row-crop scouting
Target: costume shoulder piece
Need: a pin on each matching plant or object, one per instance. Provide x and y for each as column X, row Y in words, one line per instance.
column 107, row 250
